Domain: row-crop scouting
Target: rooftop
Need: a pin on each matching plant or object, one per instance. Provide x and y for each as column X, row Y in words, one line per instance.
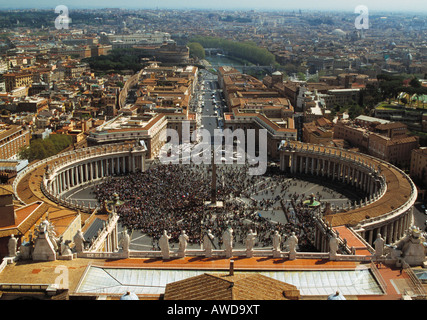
column 223, row 286
column 371, row 119
column 148, row 278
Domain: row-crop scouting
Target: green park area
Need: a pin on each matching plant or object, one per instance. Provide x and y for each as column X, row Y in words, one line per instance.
column 40, row 149
column 247, row 51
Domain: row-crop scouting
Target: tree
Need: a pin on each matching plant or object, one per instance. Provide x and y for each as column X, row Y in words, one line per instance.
column 390, row 85
column 301, row 76
column 116, row 60
column 196, row 50
column 354, row 111
column 40, row 149
column 415, row 83
column 248, row 51
column 290, row 68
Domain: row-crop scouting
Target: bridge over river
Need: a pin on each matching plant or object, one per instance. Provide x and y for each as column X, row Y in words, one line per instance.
column 217, row 57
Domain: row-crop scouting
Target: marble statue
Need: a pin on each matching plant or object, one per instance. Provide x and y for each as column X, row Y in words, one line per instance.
column 79, row 241
column 277, row 240
column 183, row 240
column 208, row 239
column 333, row 246
column 65, row 248
column 49, row 229
column 126, row 243
column 164, row 245
column 43, row 227
column 227, row 238
column 250, row 243
column 292, row 243
column 12, row 244
column 413, row 250
column 379, row 246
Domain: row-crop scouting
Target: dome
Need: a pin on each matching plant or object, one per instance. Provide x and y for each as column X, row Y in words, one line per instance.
column 336, row 296
column 129, row 296
column 339, row 32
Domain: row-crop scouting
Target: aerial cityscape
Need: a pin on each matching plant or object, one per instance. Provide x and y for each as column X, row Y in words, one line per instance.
column 213, row 151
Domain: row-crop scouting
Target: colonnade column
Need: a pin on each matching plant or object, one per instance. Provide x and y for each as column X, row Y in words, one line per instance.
column 401, row 226
column 301, row 160
column 87, row 172
column 306, row 165
column 67, row 173
column 324, row 170
column 370, row 236
column 384, row 232
column 313, row 161
column 396, row 230
column 390, row 232
column 293, row 163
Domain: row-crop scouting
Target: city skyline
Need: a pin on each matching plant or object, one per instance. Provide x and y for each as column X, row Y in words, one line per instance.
column 168, row 150
column 311, row 5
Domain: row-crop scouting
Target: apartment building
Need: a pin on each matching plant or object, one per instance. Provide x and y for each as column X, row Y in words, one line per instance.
column 418, row 170
column 148, row 127
column 276, row 131
column 254, row 105
column 12, row 139
column 388, row 141
column 319, row 131
column 74, row 70
column 17, row 80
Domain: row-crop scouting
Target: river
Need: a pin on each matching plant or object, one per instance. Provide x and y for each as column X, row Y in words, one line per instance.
column 224, row 61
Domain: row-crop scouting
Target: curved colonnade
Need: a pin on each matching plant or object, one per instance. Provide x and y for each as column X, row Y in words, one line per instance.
column 390, row 193
column 74, row 169
column 49, row 179
column 386, row 209
column 90, row 165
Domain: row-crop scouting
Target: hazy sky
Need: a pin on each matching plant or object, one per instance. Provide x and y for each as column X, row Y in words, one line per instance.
column 345, row 5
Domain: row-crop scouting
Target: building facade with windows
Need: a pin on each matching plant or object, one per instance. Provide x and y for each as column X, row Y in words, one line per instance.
column 12, row 139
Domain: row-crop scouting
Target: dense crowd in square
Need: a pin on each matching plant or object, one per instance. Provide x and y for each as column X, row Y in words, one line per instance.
column 173, row 198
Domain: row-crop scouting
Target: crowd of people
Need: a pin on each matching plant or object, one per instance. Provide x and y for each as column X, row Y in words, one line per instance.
column 173, row 198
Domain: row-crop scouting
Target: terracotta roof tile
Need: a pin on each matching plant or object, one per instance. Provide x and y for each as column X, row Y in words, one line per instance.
column 240, row 286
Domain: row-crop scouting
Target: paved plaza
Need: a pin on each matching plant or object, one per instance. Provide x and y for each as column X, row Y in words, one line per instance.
column 260, row 195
